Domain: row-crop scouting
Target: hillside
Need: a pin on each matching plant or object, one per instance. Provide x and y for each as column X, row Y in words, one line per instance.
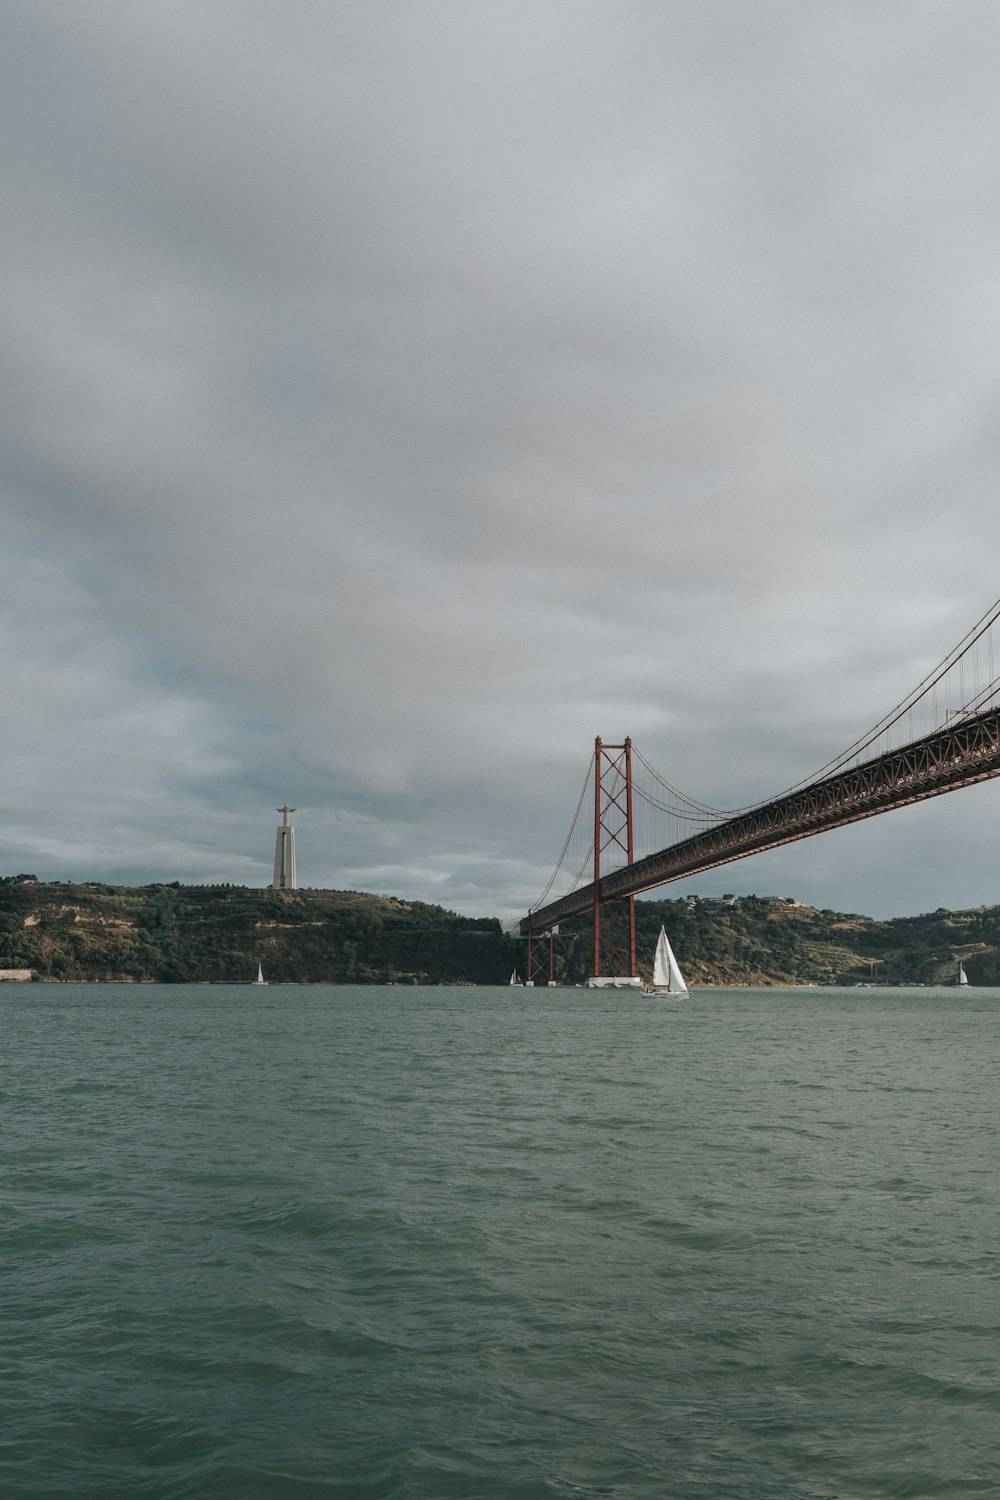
column 764, row 942
column 174, row 933
column 187, row 934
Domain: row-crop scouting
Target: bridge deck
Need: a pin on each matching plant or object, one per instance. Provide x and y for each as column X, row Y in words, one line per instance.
column 965, row 752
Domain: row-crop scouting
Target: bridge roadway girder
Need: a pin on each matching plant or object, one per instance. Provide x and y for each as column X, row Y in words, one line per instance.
column 965, row 752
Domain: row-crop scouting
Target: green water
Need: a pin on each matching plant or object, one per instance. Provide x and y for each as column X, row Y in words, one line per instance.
column 492, row 1243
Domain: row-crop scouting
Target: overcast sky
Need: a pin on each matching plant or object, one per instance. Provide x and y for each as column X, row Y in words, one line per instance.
column 398, row 395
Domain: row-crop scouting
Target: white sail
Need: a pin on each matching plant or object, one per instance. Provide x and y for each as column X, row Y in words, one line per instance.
column 963, row 978
column 514, row 979
column 260, row 975
column 667, row 977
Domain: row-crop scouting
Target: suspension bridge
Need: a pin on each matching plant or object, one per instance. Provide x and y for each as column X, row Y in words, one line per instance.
column 637, row 831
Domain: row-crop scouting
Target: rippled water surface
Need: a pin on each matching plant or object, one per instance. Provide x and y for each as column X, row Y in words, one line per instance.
column 499, row 1243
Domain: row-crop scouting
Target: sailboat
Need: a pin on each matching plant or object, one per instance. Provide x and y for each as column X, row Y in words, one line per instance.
column 667, row 977
column 514, row 979
column 962, row 977
column 260, row 976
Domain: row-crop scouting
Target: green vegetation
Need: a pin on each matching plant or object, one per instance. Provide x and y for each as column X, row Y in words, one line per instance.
column 174, row 933
column 765, row 942
column 185, row 934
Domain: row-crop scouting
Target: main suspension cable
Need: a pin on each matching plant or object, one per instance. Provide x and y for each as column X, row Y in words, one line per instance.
column 572, row 830
column 925, row 686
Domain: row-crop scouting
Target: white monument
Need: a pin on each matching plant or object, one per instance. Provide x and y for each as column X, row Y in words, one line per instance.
column 284, row 853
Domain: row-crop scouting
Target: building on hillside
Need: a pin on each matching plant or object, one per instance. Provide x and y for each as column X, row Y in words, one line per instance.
column 730, row 900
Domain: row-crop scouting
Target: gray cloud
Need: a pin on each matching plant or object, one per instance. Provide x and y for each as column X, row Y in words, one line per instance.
column 396, row 398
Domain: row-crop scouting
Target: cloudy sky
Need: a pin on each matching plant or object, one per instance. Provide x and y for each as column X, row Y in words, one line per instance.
column 400, row 393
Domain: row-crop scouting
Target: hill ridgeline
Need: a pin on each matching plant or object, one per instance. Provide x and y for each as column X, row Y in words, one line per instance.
column 219, row 934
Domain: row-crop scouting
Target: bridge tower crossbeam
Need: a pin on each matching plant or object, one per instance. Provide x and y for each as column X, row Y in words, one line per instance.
column 614, row 930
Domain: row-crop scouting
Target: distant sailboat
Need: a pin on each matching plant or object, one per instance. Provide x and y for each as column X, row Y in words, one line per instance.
column 962, row 978
column 260, row 976
column 514, row 979
column 667, row 977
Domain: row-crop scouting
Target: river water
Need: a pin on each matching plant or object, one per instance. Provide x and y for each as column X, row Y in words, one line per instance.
column 484, row 1243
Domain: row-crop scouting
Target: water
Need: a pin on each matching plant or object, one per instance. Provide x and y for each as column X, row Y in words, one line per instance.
column 289, row 1242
